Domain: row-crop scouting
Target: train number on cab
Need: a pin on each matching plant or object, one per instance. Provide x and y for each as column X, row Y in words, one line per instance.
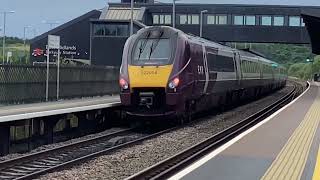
column 200, row 70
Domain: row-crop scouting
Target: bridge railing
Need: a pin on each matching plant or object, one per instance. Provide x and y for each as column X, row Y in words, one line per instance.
column 26, row 84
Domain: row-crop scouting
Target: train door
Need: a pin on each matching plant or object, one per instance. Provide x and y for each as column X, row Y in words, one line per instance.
column 237, row 66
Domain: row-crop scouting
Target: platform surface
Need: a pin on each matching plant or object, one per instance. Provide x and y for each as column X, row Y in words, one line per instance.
column 27, row 111
column 283, row 146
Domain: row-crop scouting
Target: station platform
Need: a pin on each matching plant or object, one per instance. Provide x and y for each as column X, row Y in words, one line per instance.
column 34, row 110
column 283, row 146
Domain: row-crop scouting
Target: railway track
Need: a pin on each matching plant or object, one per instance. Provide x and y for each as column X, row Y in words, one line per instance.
column 174, row 164
column 36, row 164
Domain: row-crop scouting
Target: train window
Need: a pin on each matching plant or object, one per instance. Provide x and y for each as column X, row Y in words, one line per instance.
column 248, row 66
column 220, row 63
column 152, row 52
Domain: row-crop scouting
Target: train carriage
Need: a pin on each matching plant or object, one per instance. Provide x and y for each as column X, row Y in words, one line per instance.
column 167, row 72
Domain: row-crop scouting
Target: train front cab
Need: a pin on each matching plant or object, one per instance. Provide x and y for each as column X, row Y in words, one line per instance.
column 150, row 81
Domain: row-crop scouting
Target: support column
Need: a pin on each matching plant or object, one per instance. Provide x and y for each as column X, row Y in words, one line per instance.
column 83, row 123
column 49, row 124
column 4, row 139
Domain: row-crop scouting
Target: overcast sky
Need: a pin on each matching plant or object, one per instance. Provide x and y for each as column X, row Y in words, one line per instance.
column 34, row 12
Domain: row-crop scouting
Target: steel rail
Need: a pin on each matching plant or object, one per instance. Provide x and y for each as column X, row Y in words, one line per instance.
column 20, row 167
column 171, row 165
column 34, row 165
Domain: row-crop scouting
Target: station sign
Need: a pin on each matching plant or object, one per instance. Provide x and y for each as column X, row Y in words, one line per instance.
column 53, row 42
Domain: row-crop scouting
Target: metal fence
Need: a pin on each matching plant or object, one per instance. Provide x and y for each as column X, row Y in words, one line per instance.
column 25, row 84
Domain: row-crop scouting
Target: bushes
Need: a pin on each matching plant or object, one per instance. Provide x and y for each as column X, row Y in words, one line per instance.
column 305, row 70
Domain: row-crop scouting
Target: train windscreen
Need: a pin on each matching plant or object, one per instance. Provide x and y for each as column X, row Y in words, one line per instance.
column 152, row 52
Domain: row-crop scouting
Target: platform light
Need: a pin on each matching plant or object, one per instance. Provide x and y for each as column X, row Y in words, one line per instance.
column 4, row 32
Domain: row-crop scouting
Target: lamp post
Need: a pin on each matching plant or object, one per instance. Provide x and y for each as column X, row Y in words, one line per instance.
column 131, row 19
column 201, row 20
column 4, row 33
column 24, row 41
column 174, row 13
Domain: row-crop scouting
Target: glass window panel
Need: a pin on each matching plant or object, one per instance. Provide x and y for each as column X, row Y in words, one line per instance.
column 250, row 20
column 122, row 30
column 161, row 19
column 266, row 20
column 110, row 30
column 167, row 19
column 302, row 22
column 220, row 63
column 222, row 19
column 189, row 19
column 238, row 20
column 183, row 19
column 210, row 19
column 155, row 19
column 99, row 30
column 294, row 21
column 159, row 55
column 278, row 21
column 195, row 19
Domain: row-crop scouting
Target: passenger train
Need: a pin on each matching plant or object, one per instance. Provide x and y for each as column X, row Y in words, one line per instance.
column 167, row 72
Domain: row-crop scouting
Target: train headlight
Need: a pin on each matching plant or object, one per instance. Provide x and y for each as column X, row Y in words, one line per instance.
column 174, row 83
column 123, row 83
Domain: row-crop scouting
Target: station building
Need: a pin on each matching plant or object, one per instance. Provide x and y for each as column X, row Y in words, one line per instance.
column 98, row 37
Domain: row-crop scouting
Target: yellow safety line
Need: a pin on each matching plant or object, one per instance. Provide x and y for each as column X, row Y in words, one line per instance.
column 316, row 174
column 290, row 162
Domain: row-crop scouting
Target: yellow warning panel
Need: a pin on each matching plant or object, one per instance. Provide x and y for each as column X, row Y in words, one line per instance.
column 316, row 174
column 291, row 161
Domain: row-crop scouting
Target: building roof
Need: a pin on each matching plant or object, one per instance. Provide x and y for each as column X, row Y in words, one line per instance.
column 122, row 13
column 311, row 18
column 116, row 4
column 65, row 25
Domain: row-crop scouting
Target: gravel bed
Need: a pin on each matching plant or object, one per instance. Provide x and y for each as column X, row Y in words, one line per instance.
column 128, row 161
column 51, row 146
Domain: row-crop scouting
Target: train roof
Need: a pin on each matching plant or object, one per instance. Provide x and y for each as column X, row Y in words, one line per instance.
column 197, row 39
